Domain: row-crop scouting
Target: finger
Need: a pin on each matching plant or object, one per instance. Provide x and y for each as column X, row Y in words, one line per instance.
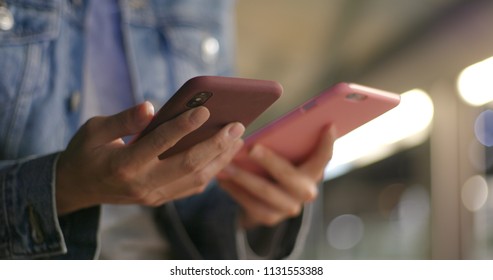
column 264, row 190
column 287, row 175
column 201, row 155
column 314, row 166
column 196, row 182
column 255, row 211
column 131, row 121
column 166, row 135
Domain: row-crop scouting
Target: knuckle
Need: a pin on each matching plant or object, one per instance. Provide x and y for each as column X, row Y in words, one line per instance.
column 161, row 140
column 201, row 179
column 182, row 123
column 92, row 124
column 124, row 176
column 190, row 163
column 200, row 182
column 90, row 127
column 121, row 172
column 220, row 143
column 125, row 123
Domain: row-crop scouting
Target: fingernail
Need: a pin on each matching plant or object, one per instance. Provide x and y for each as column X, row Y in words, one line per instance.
column 313, row 193
column 144, row 113
column 149, row 108
column 199, row 115
column 236, row 130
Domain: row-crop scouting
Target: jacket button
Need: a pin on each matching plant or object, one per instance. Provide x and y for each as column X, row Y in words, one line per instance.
column 36, row 231
column 74, row 102
column 210, row 50
column 77, row 3
column 6, row 19
column 137, row 4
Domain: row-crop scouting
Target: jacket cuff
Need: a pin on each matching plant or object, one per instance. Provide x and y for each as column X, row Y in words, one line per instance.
column 32, row 228
column 29, row 213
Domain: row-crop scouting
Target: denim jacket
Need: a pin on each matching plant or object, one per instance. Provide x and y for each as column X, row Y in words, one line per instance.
column 41, row 59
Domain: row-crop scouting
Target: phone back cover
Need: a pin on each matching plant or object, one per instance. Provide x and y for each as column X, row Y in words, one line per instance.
column 296, row 134
column 232, row 100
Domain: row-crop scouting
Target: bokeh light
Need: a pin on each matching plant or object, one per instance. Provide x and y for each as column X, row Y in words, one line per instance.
column 474, row 193
column 474, row 83
column 483, row 128
column 414, row 209
column 345, row 231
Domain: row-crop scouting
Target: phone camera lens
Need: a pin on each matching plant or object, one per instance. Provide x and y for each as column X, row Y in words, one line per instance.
column 199, row 99
column 356, row 97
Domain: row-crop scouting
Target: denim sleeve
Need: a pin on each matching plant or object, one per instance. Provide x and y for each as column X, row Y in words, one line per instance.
column 29, row 225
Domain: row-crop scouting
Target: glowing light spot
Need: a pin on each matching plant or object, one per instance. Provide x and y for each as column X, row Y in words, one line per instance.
column 483, row 128
column 474, row 83
column 345, row 232
column 474, row 193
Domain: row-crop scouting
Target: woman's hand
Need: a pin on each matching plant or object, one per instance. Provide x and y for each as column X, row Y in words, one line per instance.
column 98, row 167
column 270, row 201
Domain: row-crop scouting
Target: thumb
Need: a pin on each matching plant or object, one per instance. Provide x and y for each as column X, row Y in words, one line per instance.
column 128, row 122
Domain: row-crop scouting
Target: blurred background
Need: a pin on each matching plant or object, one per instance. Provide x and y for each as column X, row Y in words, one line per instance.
column 418, row 184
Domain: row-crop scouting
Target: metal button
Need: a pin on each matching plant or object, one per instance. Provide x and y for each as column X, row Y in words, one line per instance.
column 137, row 4
column 210, row 49
column 36, row 230
column 75, row 101
column 6, row 19
column 77, row 2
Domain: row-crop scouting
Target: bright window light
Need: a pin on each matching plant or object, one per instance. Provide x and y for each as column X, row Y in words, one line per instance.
column 475, row 83
column 406, row 125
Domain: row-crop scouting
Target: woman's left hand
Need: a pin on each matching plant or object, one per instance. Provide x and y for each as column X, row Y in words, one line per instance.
column 270, row 201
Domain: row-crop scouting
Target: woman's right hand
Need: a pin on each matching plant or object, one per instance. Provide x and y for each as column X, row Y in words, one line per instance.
column 98, row 167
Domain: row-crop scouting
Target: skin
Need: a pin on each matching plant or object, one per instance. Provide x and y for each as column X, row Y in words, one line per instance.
column 271, row 201
column 99, row 168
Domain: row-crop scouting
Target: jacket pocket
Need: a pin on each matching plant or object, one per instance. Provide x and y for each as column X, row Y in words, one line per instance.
column 34, row 23
column 33, row 20
column 25, row 64
column 197, row 38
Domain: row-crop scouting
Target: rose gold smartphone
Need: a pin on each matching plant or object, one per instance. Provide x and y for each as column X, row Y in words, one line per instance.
column 296, row 134
column 228, row 100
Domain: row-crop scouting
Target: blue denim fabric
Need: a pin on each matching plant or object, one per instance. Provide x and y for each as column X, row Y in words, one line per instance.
column 40, row 83
column 41, row 61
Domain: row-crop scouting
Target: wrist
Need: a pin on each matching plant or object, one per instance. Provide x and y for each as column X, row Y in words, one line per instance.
column 67, row 198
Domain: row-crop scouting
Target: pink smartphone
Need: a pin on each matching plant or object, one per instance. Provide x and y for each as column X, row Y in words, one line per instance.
column 228, row 100
column 297, row 133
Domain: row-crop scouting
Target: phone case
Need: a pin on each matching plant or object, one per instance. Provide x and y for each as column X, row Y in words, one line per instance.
column 228, row 99
column 297, row 133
